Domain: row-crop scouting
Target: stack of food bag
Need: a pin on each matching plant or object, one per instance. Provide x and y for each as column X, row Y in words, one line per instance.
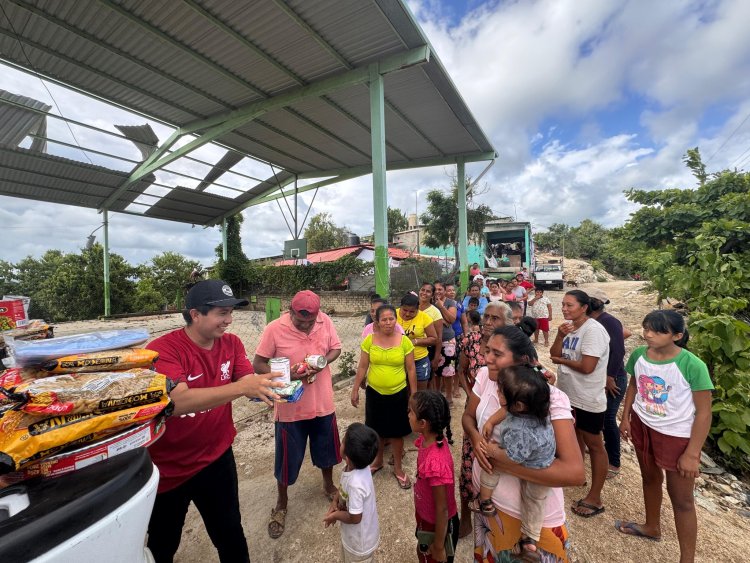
column 64, row 393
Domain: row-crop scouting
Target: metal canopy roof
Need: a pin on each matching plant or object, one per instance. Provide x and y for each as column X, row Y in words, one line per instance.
column 285, row 82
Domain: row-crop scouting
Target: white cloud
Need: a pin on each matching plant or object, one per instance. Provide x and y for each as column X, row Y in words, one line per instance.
column 540, row 77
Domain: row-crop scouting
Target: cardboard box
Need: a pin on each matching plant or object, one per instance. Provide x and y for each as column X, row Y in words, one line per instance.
column 13, row 313
column 515, row 261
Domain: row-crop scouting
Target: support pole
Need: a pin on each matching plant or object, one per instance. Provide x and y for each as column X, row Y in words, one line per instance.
column 107, row 302
column 379, row 192
column 463, row 235
column 224, row 239
column 296, row 193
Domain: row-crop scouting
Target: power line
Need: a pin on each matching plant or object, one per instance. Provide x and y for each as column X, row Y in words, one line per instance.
column 728, row 138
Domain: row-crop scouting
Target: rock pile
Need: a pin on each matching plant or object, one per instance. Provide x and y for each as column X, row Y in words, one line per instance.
column 716, row 489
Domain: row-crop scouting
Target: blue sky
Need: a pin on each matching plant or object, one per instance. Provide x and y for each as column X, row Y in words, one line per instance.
column 582, row 98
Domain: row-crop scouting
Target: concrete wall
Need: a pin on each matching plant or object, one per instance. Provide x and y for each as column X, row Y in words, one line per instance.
column 331, row 302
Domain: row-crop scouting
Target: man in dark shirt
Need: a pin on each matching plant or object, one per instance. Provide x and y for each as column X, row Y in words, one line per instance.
column 616, row 376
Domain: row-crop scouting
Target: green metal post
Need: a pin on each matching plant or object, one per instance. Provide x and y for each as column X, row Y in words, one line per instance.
column 463, row 230
column 273, row 309
column 527, row 246
column 107, row 303
column 379, row 193
column 224, row 239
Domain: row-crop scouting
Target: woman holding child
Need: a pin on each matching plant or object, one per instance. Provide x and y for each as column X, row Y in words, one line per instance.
column 392, row 377
column 498, row 536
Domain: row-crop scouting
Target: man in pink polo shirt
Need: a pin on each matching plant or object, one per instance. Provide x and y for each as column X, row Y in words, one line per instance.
column 304, row 330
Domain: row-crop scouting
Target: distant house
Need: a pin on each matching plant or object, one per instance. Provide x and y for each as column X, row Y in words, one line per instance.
column 365, row 252
column 412, row 240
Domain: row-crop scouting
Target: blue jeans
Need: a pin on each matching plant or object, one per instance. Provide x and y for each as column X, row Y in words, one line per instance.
column 611, row 428
column 424, row 369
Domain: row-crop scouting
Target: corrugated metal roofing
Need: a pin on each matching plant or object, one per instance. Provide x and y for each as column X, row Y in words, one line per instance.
column 18, row 123
column 180, row 62
column 26, row 174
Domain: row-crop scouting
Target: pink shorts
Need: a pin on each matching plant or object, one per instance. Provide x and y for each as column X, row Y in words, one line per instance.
column 542, row 324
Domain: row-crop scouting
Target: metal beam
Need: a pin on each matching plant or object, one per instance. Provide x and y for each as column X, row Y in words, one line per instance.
column 379, row 191
column 217, row 126
column 417, row 163
column 224, row 251
column 463, row 235
column 275, row 194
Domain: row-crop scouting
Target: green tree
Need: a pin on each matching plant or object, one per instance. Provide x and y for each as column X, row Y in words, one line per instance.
column 693, row 160
column 323, row 234
column 233, row 269
column 397, row 221
column 73, row 288
column 32, row 275
column 557, row 236
column 441, row 218
column 8, row 282
column 168, row 273
column 588, row 239
column 147, row 297
column 699, row 249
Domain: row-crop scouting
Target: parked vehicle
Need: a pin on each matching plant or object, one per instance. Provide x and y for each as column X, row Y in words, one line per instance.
column 549, row 275
column 508, row 247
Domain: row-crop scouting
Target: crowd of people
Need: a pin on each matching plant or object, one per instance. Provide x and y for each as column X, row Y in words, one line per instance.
column 434, row 355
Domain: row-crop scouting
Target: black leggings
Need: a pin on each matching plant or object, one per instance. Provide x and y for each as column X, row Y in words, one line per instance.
column 214, row 491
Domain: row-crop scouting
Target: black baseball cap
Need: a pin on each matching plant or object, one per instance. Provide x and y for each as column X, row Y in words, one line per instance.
column 214, row 293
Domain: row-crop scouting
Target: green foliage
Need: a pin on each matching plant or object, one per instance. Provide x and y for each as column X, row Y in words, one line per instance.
column 290, row 279
column 347, row 364
column 232, row 270
column 147, row 298
column 397, row 221
column 167, row 275
column 66, row 287
column 693, row 160
column 441, row 219
column 323, row 234
column 698, row 245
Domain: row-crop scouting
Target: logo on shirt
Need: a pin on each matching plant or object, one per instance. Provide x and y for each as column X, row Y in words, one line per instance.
column 654, row 392
column 225, row 371
column 194, row 377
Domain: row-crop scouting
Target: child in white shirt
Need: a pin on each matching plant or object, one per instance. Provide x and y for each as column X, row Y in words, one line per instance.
column 354, row 502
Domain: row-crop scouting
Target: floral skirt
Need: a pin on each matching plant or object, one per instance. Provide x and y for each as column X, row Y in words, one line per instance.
column 495, row 536
column 465, row 484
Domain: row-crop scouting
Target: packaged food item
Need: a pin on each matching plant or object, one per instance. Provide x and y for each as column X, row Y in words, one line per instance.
column 290, row 393
column 36, row 352
column 316, row 361
column 123, row 359
column 96, row 393
column 36, row 330
column 26, row 438
column 117, row 442
column 12, row 377
column 12, row 314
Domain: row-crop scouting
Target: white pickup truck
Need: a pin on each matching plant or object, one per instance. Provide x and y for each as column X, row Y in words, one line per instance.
column 549, row 275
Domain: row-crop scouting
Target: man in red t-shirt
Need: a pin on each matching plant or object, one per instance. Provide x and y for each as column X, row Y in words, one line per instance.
column 210, row 369
column 522, row 281
column 304, row 330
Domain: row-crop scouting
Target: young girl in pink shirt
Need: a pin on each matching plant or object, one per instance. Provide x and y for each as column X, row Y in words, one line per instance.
column 434, row 495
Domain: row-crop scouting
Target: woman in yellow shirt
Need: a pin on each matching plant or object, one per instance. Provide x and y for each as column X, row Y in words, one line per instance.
column 392, row 377
column 420, row 329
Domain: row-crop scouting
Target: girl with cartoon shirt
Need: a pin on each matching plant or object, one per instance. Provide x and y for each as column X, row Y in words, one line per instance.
column 667, row 415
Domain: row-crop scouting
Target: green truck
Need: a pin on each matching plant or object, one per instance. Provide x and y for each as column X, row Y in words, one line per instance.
column 508, row 247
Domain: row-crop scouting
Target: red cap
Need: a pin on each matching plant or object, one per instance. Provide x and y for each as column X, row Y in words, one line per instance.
column 306, row 303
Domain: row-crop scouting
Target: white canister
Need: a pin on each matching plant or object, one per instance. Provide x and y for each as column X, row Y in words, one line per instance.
column 281, row 365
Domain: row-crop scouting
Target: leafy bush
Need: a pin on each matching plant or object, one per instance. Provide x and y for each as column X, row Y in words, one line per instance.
column 291, row 279
column 347, row 363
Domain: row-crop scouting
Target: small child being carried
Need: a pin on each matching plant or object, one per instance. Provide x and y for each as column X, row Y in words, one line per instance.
column 523, row 429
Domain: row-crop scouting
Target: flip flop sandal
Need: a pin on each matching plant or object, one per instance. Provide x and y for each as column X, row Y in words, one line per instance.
column 595, row 510
column 403, row 482
column 276, row 523
column 612, row 473
column 635, row 531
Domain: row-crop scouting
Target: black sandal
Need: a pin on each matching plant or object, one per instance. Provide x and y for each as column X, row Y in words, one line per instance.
column 485, row 507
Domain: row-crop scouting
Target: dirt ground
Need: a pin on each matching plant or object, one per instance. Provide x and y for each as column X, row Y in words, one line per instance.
column 722, row 536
